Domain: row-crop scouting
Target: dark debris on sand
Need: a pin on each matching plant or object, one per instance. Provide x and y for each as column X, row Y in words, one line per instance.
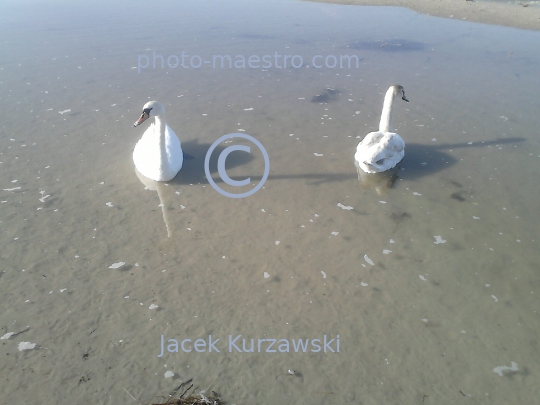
column 187, row 398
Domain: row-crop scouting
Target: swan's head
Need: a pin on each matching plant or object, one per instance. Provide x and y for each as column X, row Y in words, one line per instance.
column 398, row 91
column 150, row 109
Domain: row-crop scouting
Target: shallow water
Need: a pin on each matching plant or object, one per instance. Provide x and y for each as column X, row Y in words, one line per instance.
column 431, row 285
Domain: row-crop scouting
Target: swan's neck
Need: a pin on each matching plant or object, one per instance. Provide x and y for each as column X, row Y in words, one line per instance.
column 385, row 125
column 161, row 126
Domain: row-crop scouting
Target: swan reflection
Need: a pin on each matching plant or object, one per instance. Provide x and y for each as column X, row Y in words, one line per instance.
column 381, row 182
column 164, row 193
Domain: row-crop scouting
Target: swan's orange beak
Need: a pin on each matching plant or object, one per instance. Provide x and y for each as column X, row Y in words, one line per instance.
column 144, row 117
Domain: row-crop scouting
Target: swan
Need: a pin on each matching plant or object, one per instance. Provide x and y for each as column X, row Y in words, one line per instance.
column 158, row 154
column 382, row 150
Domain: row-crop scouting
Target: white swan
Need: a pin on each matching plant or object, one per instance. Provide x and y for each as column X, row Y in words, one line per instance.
column 158, row 154
column 382, row 150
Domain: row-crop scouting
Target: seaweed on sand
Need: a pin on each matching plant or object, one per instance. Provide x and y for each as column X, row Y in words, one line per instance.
column 187, row 398
column 192, row 398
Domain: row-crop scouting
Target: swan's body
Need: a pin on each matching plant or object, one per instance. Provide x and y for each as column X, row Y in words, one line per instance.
column 382, row 150
column 158, row 154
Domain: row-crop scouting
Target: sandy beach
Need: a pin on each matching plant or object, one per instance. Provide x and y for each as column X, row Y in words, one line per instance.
column 525, row 14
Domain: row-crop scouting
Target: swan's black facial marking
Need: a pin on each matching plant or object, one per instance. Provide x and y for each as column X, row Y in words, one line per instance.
column 144, row 116
column 404, row 98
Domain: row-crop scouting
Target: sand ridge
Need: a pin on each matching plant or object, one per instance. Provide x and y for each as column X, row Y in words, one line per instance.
column 525, row 15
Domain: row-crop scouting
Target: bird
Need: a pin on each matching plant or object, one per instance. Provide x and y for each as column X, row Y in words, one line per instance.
column 158, row 154
column 382, row 150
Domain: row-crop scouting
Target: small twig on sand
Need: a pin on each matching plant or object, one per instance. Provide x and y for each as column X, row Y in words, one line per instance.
column 131, row 396
column 173, row 393
column 182, row 396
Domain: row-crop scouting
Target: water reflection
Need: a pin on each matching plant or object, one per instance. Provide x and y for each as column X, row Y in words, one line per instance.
column 381, row 182
column 163, row 190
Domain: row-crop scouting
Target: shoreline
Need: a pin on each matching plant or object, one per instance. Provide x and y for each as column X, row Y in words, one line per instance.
column 524, row 15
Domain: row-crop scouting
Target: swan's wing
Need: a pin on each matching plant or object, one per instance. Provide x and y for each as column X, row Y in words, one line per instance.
column 389, row 146
column 393, row 141
column 382, row 155
column 172, row 143
column 146, row 152
column 365, row 148
column 171, row 139
column 371, row 139
column 175, row 156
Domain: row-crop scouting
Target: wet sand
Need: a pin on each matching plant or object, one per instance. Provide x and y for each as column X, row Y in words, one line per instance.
column 432, row 286
column 525, row 15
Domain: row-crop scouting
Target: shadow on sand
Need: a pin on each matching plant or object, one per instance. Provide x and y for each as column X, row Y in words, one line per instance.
column 420, row 160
